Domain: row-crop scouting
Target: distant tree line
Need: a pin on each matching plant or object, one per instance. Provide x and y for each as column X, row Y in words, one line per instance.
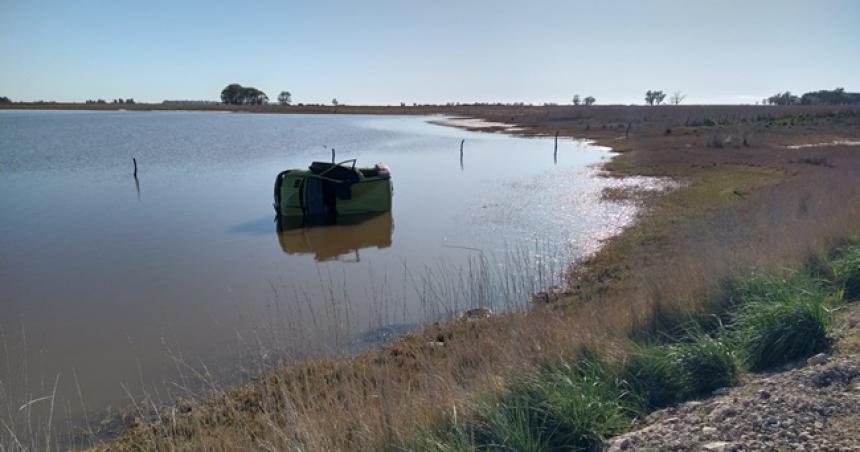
column 236, row 94
column 121, row 101
column 837, row 96
column 5, row 100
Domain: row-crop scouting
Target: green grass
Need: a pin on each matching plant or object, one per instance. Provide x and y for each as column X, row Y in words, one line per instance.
column 772, row 320
column 656, row 375
column 562, row 407
column 667, row 374
column 780, row 320
column 707, row 362
column 846, row 269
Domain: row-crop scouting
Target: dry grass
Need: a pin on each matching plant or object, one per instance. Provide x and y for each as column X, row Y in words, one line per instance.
column 739, row 208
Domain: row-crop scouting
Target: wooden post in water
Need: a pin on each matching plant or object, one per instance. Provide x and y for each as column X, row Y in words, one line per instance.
column 555, row 151
column 332, row 155
column 461, row 153
column 136, row 181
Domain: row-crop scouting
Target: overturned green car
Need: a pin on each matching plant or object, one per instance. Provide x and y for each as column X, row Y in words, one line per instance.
column 326, row 191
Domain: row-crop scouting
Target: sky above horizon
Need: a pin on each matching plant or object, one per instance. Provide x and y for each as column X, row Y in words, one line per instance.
column 387, row 52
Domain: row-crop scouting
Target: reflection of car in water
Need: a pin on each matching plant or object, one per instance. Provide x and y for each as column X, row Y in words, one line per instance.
column 328, row 241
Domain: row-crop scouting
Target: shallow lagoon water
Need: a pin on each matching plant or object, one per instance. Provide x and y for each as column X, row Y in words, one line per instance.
column 121, row 287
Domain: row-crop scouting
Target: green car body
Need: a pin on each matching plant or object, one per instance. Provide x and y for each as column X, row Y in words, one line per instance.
column 330, row 190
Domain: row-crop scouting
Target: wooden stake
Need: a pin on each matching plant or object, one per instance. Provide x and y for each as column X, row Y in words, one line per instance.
column 461, row 153
column 136, row 181
column 555, row 151
column 332, row 155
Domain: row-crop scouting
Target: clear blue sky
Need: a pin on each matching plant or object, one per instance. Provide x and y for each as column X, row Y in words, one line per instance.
column 385, row 52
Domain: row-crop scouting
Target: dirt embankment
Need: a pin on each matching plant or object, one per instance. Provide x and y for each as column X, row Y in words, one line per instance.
column 809, row 405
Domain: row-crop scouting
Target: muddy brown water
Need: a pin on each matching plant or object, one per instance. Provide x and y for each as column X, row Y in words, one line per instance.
column 115, row 289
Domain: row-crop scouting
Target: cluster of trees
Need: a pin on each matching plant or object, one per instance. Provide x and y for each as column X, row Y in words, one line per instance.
column 5, row 100
column 656, row 97
column 121, row 101
column 837, row 96
column 97, row 101
column 785, row 98
column 579, row 101
column 237, row 94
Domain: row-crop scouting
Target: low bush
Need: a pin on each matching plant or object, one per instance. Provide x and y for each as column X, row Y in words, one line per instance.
column 780, row 320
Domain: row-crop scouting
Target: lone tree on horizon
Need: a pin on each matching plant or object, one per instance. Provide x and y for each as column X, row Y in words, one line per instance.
column 677, row 97
column 589, row 100
column 334, row 102
column 576, row 99
column 285, row 98
column 654, row 97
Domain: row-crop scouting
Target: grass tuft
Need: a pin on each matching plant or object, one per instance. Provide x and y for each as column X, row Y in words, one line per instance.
column 846, row 270
column 708, row 363
column 780, row 320
column 668, row 374
column 656, row 375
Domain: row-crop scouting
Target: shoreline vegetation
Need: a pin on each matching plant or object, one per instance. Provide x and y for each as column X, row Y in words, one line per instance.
column 712, row 281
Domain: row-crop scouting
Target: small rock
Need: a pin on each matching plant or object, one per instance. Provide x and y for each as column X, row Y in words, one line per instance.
column 816, row 360
column 720, row 446
column 709, row 430
column 624, row 444
column 764, row 394
column 433, row 344
column 720, row 391
column 836, row 374
column 721, row 413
